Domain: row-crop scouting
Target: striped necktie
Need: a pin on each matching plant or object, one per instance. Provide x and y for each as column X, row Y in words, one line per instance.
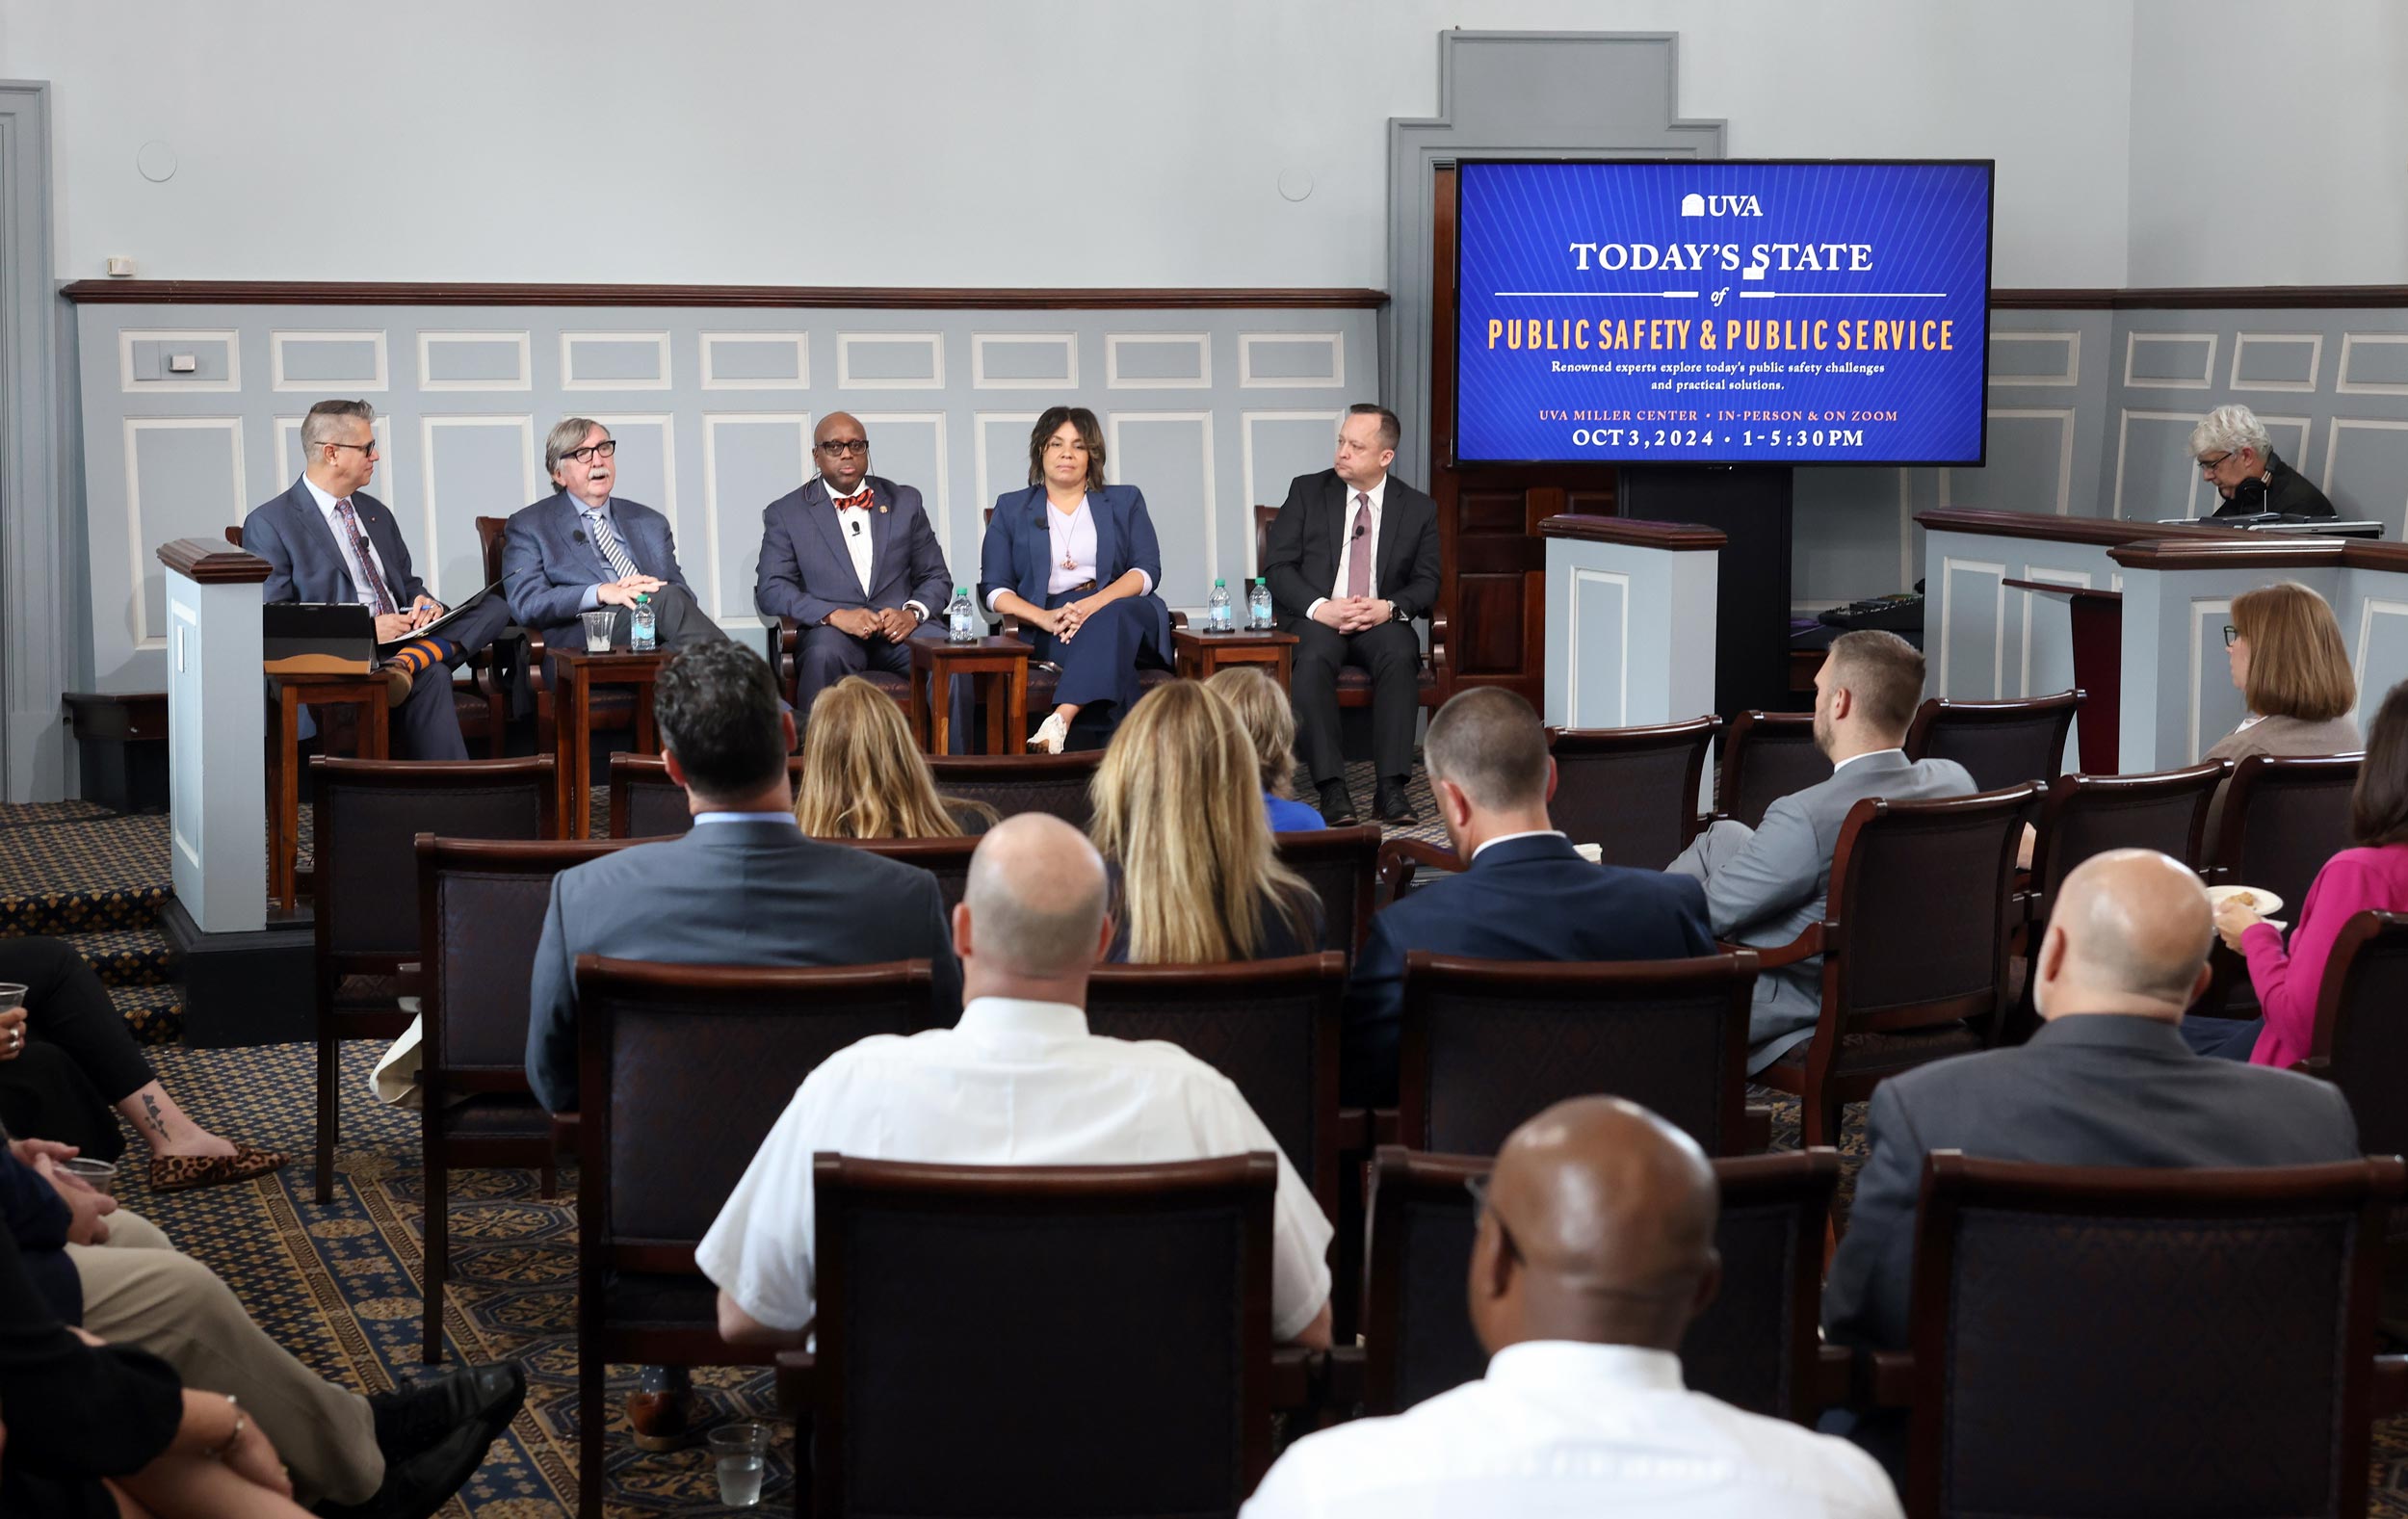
column 614, row 552
column 380, row 597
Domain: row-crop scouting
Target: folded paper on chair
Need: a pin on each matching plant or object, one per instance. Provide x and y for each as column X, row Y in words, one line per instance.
column 317, row 638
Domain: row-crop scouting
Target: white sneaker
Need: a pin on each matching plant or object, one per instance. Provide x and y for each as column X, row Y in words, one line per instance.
column 1051, row 735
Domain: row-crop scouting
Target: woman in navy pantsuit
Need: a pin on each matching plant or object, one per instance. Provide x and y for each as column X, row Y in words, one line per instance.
column 1076, row 561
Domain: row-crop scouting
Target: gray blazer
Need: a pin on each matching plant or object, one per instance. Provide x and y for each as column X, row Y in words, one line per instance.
column 744, row 893
column 806, row 571
column 2090, row 1090
column 548, row 560
column 1767, row 893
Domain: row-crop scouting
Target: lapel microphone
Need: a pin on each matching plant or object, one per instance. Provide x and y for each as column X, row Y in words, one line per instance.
column 856, row 527
column 578, row 535
column 1358, row 531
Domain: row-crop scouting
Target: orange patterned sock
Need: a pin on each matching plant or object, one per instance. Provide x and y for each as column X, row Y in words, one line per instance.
column 419, row 653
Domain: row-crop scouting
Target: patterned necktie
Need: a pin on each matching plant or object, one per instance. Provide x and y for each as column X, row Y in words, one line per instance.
column 380, row 597
column 608, row 543
column 1359, row 554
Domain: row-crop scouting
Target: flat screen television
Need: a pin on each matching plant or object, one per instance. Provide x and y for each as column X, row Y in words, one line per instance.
column 1771, row 312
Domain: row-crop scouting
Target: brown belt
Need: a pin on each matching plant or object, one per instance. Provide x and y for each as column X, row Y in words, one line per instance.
column 1085, row 585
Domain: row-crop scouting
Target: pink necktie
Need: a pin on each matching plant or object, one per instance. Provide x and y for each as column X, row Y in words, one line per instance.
column 1359, row 553
column 379, row 599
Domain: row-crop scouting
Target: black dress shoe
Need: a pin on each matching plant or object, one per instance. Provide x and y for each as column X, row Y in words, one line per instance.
column 1337, row 808
column 1390, row 801
column 419, row 1417
column 416, row 1487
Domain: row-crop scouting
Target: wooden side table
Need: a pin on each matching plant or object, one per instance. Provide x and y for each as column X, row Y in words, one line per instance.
column 1199, row 654
column 574, row 675
column 935, row 662
column 367, row 692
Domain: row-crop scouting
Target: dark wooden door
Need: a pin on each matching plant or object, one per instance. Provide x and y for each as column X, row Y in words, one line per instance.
column 1495, row 589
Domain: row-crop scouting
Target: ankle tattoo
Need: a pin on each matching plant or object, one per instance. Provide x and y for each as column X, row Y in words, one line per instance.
column 150, row 1105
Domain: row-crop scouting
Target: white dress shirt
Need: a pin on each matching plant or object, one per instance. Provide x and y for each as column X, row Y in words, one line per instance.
column 1559, row 1428
column 1868, row 754
column 1507, row 838
column 852, row 523
column 350, row 561
column 1348, row 545
column 1013, row 1083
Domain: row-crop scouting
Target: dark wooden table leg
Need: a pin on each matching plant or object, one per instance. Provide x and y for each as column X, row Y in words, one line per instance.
column 575, row 806
column 377, row 720
column 998, row 736
column 648, row 742
column 1016, row 687
column 923, row 680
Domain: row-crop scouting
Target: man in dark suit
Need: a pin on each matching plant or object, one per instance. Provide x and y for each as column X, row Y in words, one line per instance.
column 1526, row 894
column 1352, row 560
column 744, row 888
column 2107, row 1081
column 851, row 559
column 585, row 549
column 327, row 541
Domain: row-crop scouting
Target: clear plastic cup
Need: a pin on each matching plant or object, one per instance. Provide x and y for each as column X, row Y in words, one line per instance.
column 599, row 624
column 11, row 995
column 99, row 1175
column 742, row 1454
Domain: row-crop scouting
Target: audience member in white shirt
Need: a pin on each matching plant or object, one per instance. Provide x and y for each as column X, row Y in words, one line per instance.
column 1595, row 1250
column 1018, row 1082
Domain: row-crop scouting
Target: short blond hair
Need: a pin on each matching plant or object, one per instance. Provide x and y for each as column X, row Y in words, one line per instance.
column 1179, row 810
column 1269, row 722
column 2298, row 667
column 1883, row 673
column 862, row 775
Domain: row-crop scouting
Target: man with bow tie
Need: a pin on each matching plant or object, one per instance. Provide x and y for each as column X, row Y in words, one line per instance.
column 585, row 549
column 851, row 559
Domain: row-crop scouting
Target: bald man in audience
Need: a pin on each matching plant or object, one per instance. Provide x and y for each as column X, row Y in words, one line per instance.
column 1525, row 894
column 2107, row 1081
column 1595, row 1249
column 1764, row 884
column 1017, row 1082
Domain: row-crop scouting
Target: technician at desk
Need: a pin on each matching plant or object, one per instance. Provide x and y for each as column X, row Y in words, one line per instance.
column 2238, row 461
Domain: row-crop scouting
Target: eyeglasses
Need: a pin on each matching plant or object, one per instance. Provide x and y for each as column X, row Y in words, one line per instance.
column 2232, row 635
column 2208, row 466
column 608, row 447
column 368, row 448
column 841, row 446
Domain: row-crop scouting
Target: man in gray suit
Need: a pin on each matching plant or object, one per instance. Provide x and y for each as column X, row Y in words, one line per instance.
column 2107, row 1081
column 744, row 888
column 851, row 559
column 585, row 549
column 1763, row 886
column 327, row 541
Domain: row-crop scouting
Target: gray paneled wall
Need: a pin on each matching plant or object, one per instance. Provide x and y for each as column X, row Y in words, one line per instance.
column 2090, row 415
column 1207, row 410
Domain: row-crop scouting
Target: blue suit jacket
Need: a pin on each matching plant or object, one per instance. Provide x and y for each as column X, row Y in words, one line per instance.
column 744, row 893
column 806, row 571
column 1531, row 898
column 548, row 559
column 1019, row 549
column 305, row 565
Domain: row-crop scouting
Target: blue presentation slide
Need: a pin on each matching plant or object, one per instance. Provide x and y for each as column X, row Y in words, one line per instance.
column 1722, row 312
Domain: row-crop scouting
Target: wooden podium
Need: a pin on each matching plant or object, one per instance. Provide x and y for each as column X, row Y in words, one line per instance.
column 2098, row 622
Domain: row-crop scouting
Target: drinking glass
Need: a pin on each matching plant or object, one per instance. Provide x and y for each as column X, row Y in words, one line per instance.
column 599, row 624
column 742, row 1452
column 11, row 995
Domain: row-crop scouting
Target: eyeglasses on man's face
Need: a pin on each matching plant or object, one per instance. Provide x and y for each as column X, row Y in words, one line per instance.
column 2232, row 635
column 608, row 447
column 838, row 447
column 368, row 448
column 2209, row 466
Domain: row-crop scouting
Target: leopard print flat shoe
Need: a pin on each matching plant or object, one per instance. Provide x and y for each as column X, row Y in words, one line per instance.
column 175, row 1174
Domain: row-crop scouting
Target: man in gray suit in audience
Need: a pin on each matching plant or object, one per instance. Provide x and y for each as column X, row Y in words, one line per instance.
column 585, row 550
column 2107, row 1081
column 1763, row 886
column 851, row 559
column 744, row 888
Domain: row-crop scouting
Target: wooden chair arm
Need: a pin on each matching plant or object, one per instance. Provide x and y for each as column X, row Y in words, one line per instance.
column 2390, row 1391
column 1834, row 1370
column 1296, row 1375
column 798, row 1381
column 1342, row 1379
column 564, row 1132
column 409, row 980
column 1889, row 1379
column 1398, row 858
column 1807, row 945
column 1756, row 1129
column 788, row 633
column 2317, row 1066
column 1362, row 1130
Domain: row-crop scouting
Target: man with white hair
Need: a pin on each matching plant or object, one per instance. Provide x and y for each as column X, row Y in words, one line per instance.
column 2233, row 451
column 1019, row 1080
column 2107, row 1081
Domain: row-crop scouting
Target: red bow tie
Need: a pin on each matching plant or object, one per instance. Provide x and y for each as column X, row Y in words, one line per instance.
column 860, row 502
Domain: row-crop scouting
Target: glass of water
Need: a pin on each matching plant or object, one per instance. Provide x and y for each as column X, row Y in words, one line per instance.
column 599, row 624
column 742, row 1452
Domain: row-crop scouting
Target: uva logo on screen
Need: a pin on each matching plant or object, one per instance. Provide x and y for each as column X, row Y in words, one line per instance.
column 1695, row 205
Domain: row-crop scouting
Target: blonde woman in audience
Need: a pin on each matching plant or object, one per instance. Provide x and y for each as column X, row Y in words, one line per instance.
column 864, row 778
column 1269, row 724
column 1179, row 818
column 2293, row 669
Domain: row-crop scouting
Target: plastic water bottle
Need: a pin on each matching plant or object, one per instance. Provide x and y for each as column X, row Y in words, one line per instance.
column 1258, row 606
column 1217, row 608
column 640, row 637
column 961, row 618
